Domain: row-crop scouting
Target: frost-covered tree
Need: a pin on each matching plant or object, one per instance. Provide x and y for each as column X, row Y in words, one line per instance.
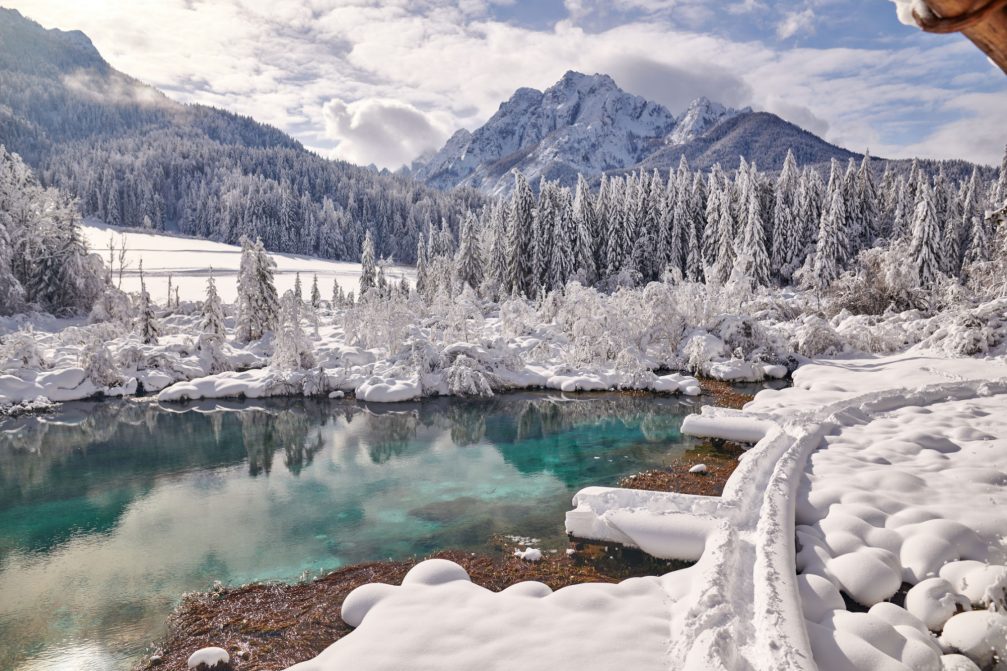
column 751, row 252
column 212, row 316
column 469, row 258
column 584, row 221
column 293, row 350
column 146, row 322
column 870, row 202
column 562, row 261
column 786, row 241
column 829, row 249
column 316, row 295
column 422, row 280
column 258, row 305
column 519, row 249
column 368, row 266
column 925, row 250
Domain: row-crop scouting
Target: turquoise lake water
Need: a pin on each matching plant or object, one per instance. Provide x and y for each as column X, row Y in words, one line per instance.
column 109, row 511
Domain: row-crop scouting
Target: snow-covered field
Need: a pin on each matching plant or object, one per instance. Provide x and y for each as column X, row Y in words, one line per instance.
column 894, row 470
column 189, row 261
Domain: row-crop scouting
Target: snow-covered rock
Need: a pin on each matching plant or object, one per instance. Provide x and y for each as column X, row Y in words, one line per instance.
column 208, row 659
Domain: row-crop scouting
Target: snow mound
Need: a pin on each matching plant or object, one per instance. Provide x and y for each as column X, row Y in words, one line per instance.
column 464, row 626
column 208, row 659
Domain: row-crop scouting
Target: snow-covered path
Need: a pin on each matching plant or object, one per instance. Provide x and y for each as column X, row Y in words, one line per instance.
column 743, row 605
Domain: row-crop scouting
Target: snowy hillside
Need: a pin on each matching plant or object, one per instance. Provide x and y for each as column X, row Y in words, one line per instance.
column 188, row 261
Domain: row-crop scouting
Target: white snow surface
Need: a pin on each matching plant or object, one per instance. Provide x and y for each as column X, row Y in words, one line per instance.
column 209, row 658
column 890, row 470
column 189, row 261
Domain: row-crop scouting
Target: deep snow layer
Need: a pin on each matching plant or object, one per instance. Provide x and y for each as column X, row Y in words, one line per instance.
column 896, row 468
column 189, row 261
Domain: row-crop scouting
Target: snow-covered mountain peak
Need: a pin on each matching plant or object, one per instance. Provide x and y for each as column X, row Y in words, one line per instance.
column 701, row 115
column 583, row 123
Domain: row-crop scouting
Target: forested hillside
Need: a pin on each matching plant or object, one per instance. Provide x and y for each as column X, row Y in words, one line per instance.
column 136, row 158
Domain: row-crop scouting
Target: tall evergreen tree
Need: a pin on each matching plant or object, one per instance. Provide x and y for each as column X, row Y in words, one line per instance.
column 469, row 259
column 925, row 249
column 368, row 266
column 519, row 236
column 584, row 221
column 751, row 249
column 212, row 321
column 829, row 249
column 785, row 238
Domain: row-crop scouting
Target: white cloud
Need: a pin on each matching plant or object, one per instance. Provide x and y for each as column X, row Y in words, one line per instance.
column 796, row 22
column 387, row 133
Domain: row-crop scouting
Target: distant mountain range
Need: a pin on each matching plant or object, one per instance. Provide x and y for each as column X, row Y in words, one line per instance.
column 587, row 124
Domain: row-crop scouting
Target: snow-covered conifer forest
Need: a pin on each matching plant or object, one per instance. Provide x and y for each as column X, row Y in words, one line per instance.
column 178, row 258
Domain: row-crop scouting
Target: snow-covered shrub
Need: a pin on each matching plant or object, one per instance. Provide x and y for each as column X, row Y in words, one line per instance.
column 292, row 351
column 112, row 306
column 211, row 353
column 815, row 337
column 98, row 364
column 700, row 349
column 315, row 382
column 517, row 317
column 884, row 278
column 868, row 333
column 633, row 372
column 20, row 350
column 466, row 377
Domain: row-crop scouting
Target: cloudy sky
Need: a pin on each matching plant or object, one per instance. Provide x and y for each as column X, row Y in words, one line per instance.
column 383, row 81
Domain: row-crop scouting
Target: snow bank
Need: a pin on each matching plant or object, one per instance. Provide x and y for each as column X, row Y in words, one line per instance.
column 464, row 626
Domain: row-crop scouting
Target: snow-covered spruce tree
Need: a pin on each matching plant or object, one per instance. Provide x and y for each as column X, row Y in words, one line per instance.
column 585, row 225
column 316, row 295
column 469, row 258
column 725, row 239
column 711, row 232
column 543, row 227
column 146, row 322
column 902, row 213
column 871, row 204
column 298, row 292
column 925, row 250
column 520, row 220
column 785, row 238
column 998, row 194
column 751, row 248
column 829, row 249
column 564, row 247
column 421, row 268
column 368, row 267
column 852, row 232
column 212, row 320
column 292, row 351
column 258, row 306
column 338, row 299
column 952, row 236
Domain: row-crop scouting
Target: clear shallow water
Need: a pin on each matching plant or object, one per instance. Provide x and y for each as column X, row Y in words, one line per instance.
column 110, row 511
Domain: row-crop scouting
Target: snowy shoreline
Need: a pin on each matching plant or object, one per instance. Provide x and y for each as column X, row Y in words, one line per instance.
column 701, row 617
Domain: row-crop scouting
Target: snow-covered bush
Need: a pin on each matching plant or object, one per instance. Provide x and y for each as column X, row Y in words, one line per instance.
column 112, row 306
column 20, row 350
column 815, row 337
column 466, row 377
column 99, row 365
column 883, row 279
